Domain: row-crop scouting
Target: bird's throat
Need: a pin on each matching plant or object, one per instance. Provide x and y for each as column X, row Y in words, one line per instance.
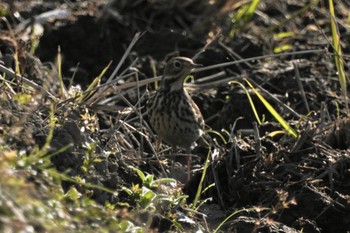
column 173, row 84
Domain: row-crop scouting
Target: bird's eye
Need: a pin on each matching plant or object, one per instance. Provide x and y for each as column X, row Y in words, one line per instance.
column 177, row 64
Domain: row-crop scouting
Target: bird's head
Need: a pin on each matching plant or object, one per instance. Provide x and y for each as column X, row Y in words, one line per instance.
column 175, row 71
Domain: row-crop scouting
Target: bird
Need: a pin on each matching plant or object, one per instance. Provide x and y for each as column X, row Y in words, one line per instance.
column 173, row 115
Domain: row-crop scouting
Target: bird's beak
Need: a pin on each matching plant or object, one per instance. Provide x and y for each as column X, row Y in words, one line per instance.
column 194, row 65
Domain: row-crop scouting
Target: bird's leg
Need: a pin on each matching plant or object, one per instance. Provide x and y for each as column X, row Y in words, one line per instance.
column 158, row 141
column 158, row 144
column 173, row 156
column 188, row 158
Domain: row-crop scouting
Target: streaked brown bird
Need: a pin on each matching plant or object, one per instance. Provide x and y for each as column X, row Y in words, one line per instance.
column 173, row 115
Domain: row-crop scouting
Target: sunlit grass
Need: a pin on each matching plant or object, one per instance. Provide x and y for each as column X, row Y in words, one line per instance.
column 294, row 15
column 63, row 89
column 243, row 15
column 274, row 113
column 338, row 54
column 201, row 183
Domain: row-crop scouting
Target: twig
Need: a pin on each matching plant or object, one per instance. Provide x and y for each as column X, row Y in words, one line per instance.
column 300, row 85
column 11, row 74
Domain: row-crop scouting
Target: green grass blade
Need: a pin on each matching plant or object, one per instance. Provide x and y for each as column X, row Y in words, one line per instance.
column 63, row 89
column 251, row 9
column 86, row 94
column 97, row 80
column 250, row 101
column 273, row 112
column 218, row 134
column 200, row 186
column 338, row 53
column 293, row 15
column 234, row 213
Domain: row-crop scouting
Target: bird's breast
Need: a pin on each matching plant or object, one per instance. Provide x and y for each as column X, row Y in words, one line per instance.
column 175, row 118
